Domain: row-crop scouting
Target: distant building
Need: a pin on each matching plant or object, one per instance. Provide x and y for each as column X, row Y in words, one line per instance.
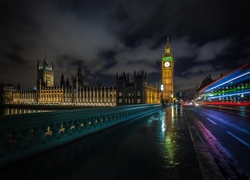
column 135, row 92
column 67, row 93
column 77, row 80
column 25, row 96
column 45, row 74
column 6, row 93
column 205, row 82
column 139, row 92
column 75, row 92
column 1, row 93
column 167, row 75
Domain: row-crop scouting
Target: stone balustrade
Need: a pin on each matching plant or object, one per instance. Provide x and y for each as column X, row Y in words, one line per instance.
column 27, row 134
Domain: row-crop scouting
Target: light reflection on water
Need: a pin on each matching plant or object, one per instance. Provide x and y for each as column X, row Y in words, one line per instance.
column 14, row 111
column 168, row 134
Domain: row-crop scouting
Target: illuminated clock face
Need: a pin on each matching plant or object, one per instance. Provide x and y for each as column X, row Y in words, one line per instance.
column 166, row 64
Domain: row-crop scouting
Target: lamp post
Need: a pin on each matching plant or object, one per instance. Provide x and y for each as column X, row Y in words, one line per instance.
column 161, row 90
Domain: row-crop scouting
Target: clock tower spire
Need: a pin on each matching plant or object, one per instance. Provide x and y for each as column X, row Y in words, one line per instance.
column 167, row 51
column 167, row 74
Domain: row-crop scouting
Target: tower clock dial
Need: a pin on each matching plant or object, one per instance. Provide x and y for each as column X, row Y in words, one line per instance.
column 166, row 64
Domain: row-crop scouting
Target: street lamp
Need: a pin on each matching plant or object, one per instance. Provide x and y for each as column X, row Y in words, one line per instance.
column 161, row 90
column 162, row 87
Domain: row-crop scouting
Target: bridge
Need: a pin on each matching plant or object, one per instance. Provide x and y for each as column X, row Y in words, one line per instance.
column 27, row 134
column 128, row 142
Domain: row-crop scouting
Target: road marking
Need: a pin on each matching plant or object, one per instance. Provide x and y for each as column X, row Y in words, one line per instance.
column 211, row 121
column 244, row 142
column 222, row 110
column 201, row 114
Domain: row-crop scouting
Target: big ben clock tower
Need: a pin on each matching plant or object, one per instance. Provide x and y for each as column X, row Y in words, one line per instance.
column 167, row 74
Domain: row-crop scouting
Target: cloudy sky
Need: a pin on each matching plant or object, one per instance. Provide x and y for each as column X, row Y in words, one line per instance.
column 109, row 36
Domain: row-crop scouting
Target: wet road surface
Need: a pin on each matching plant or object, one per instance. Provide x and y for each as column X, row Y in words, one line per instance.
column 231, row 128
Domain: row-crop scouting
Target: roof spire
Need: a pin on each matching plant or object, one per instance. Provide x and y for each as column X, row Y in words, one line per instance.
column 167, row 40
column 167, row 52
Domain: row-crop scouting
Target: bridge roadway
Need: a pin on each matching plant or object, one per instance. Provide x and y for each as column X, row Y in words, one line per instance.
column 159, row 144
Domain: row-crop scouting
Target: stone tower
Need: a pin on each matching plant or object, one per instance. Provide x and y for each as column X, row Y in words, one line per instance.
column 131, row 92
column 167, row 74
column 45, row 74
column 77, row 80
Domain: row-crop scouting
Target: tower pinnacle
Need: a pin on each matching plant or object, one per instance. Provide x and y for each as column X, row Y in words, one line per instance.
column 167, row 52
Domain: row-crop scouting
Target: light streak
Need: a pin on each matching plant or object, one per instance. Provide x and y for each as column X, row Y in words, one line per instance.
column 228, row 95
column 227, row 103
column 233, row 88
column 227, row 75
column 227, row 81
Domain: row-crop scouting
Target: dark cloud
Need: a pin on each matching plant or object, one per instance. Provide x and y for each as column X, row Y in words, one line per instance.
column 212, row 49
column 112, row 36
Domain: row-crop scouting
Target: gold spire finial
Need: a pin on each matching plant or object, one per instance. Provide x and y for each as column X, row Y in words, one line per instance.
column 167, row 39
column 167, row 48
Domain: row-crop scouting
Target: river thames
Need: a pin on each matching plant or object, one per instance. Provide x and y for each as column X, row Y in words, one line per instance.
column 13, row 109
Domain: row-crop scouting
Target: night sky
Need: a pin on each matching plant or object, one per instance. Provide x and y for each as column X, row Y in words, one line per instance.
column 109, row 36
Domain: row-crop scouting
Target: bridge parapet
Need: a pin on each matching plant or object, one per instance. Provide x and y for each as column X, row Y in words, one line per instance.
column 27, row 134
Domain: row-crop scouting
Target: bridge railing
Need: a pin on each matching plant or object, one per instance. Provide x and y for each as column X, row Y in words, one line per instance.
column 27, row 134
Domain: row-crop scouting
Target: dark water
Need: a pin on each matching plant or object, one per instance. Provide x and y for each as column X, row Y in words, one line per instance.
column 13, row 111
column 152, row 147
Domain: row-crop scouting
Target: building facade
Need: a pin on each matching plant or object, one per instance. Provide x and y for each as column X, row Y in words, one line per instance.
column 84, row 96
column 135, row 92
column 167, row 75
column 5, row 93
column 77, row 80
column 125, row 92
column 74, row 93
column 45, row 74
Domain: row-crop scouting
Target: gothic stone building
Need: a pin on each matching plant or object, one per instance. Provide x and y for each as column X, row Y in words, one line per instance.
column 67, row 93
column 135, row 92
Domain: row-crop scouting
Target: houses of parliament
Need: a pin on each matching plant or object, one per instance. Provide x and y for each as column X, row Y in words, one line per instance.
column 74, row 92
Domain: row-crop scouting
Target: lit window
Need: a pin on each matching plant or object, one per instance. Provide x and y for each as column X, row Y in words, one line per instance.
column 138, row 93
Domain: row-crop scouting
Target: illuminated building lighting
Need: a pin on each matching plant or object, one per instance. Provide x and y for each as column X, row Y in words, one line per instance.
column 162, row 87
column 167, row 59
